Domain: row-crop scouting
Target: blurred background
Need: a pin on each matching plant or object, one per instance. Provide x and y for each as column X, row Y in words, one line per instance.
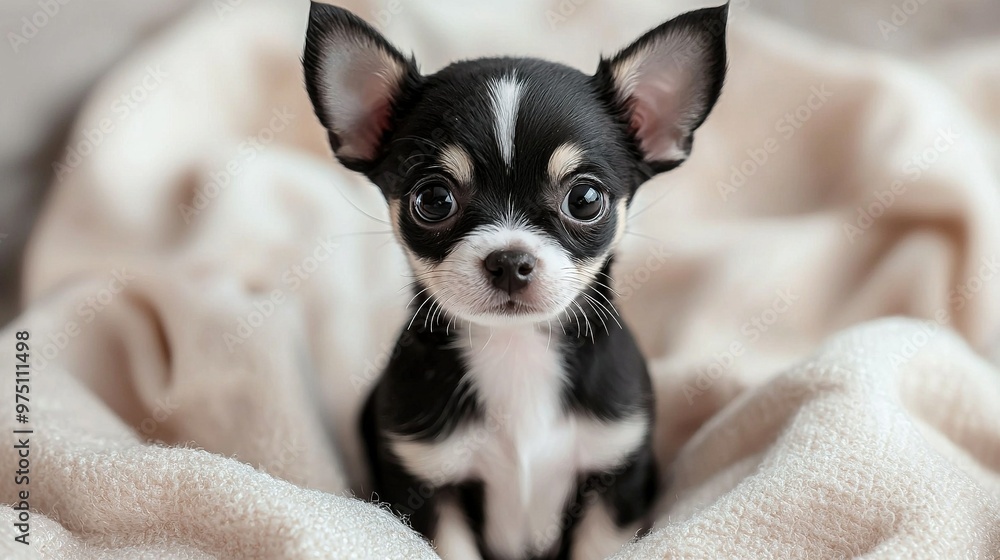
column 50, row 64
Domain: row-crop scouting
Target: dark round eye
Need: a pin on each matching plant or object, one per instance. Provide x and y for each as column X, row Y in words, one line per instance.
column 434, row 203
column 583, row 203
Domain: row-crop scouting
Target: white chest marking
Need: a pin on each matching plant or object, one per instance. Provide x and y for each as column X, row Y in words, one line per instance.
column 505, row 96
column 527, row 452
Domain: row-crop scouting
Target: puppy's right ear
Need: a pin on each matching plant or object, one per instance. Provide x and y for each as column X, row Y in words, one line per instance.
column 356, row 80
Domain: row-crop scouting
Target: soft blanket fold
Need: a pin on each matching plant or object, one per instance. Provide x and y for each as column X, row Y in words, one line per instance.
column 209, row 298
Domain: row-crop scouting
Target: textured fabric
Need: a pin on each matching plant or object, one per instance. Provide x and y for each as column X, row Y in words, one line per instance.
column 210, row 297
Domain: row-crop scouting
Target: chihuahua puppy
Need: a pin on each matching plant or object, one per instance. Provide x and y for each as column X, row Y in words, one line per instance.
column 514, row 419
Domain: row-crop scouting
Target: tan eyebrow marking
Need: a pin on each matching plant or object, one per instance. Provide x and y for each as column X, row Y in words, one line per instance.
column 457, row 162
column 563, row 161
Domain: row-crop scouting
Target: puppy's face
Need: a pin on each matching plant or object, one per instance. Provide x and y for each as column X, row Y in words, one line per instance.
column 508, row 180
column 508, row 183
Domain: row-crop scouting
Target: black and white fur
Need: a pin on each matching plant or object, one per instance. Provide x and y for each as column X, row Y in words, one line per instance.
column 514, row 418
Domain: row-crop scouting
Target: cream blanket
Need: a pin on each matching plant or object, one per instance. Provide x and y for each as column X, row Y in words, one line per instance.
column 210, row 297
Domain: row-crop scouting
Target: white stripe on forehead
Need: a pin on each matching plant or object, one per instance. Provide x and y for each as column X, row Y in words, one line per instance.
column 505, row 96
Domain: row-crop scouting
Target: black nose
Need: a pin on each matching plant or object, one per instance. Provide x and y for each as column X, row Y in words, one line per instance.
column 511, row 270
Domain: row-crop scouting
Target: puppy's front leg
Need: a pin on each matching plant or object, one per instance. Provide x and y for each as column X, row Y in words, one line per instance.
column 453, row 538
column 598, row 536
column 620, row 511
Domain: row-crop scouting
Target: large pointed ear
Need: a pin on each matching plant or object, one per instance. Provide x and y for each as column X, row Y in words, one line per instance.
column 356, row 81
column 666, row 83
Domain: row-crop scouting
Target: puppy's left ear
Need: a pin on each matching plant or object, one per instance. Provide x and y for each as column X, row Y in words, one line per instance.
column 356, row 80
column 666, row 83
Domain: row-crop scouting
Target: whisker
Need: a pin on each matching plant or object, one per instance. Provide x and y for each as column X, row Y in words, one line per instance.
column 586, row 321
column 638, row 213
column 430, row 313
column 613, row 311
column 578, row 327
column 358, row 208
column 417, row 312
column 441, row 312
column 359, row 233
column 584, row 281
column 603, row 317
column 509, row 341
column 487, row 341
column 416, row 295
column 644, row 236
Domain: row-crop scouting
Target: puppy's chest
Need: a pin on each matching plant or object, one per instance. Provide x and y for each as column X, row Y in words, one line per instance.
column 527, row 449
